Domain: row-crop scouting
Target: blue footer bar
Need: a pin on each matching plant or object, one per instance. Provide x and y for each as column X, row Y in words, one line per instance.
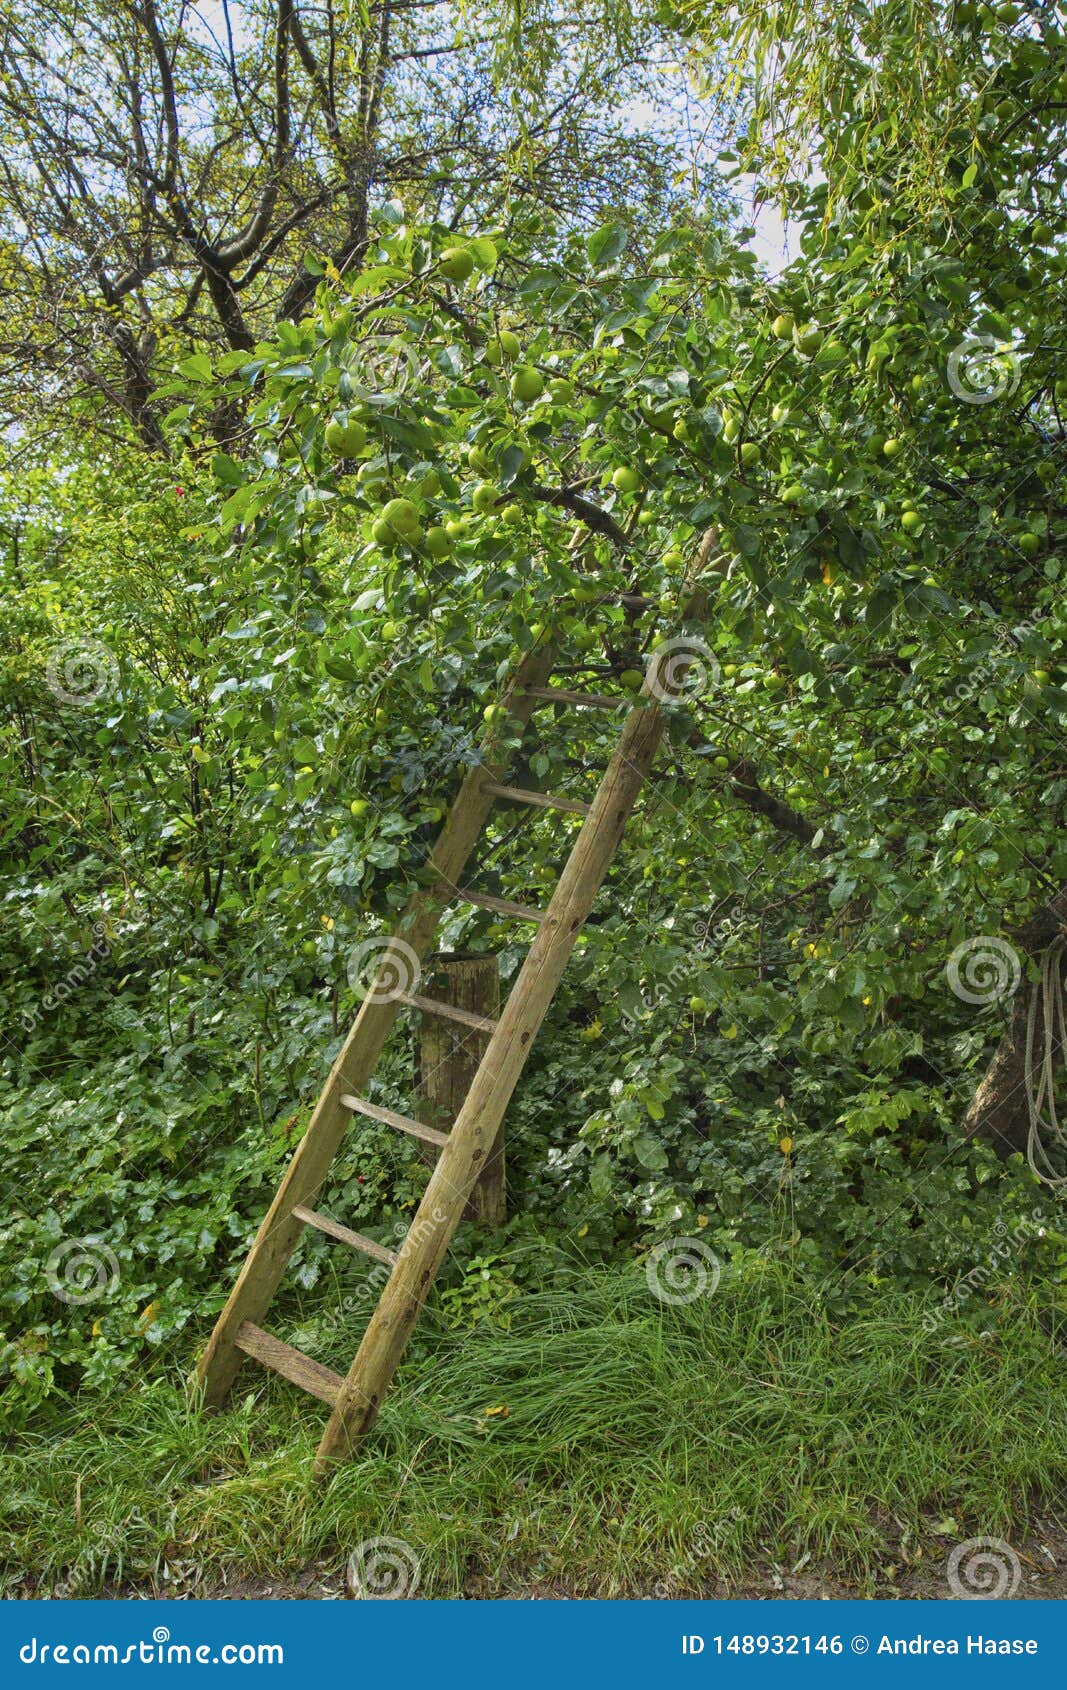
column 437, row 1645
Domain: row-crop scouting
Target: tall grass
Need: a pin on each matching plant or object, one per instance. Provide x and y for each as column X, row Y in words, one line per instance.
column 605, row 1444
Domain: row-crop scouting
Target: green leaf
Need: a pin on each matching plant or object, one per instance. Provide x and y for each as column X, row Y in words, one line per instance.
column 606, row 244
column 341, row 668
column 224, row 469
column 197, row 368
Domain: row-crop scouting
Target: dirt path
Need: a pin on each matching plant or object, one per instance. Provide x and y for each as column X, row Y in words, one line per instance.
column 1040, row 1559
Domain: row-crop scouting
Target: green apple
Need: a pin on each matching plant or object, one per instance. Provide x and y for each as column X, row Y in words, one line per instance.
column 782, row 327
column 438, row 541
column 359, row 806
column 457, row 263
column 808, row 339
column 780, row 413
column 527, row 384
column 699, row 1006
column 893, row 447
column 722, row 762
column 1041, row 677
column 484, row 496
column 673, row 559
column 504, row 349
column 632, row 679
column 402, row 517
column 478, row 459
column 493, row 713
column 456, row 528
column 345, row 440
column 792, row 494
column 750, row 454
column 731, row 428
column 381, row 533
column 561, row 391
column 513, row 514
column 391, row 631
column 1029, row 544
column 911, row 522
column 625, row 479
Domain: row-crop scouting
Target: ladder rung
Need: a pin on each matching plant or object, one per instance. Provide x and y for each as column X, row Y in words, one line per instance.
column 402, row 1123
column 541, row 800
column 433, row 1006
column 344, row 1234
column 502, row 906
column 292, row 1364
column 582, row 700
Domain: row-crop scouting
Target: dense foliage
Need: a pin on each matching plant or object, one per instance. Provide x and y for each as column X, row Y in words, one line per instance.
column 245, row 680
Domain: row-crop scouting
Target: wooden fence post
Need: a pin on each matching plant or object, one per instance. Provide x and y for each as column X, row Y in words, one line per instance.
column 447, row 1056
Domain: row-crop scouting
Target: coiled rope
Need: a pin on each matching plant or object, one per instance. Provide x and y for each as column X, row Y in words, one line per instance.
column 1049, row 1003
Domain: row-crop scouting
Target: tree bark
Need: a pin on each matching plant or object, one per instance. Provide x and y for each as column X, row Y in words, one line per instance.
column 998, row 1110
column 447, row 1059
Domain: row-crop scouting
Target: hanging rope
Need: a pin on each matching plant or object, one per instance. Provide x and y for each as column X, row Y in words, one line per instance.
column 1047, row 1003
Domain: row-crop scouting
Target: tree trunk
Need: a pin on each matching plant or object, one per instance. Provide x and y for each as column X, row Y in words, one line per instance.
column 998, row 1109
column 447, row 1056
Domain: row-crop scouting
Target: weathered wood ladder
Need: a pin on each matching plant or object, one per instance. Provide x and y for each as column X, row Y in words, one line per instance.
column 355, row 1399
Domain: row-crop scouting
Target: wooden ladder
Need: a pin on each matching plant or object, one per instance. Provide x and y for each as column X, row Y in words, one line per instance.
column 355, row 1399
